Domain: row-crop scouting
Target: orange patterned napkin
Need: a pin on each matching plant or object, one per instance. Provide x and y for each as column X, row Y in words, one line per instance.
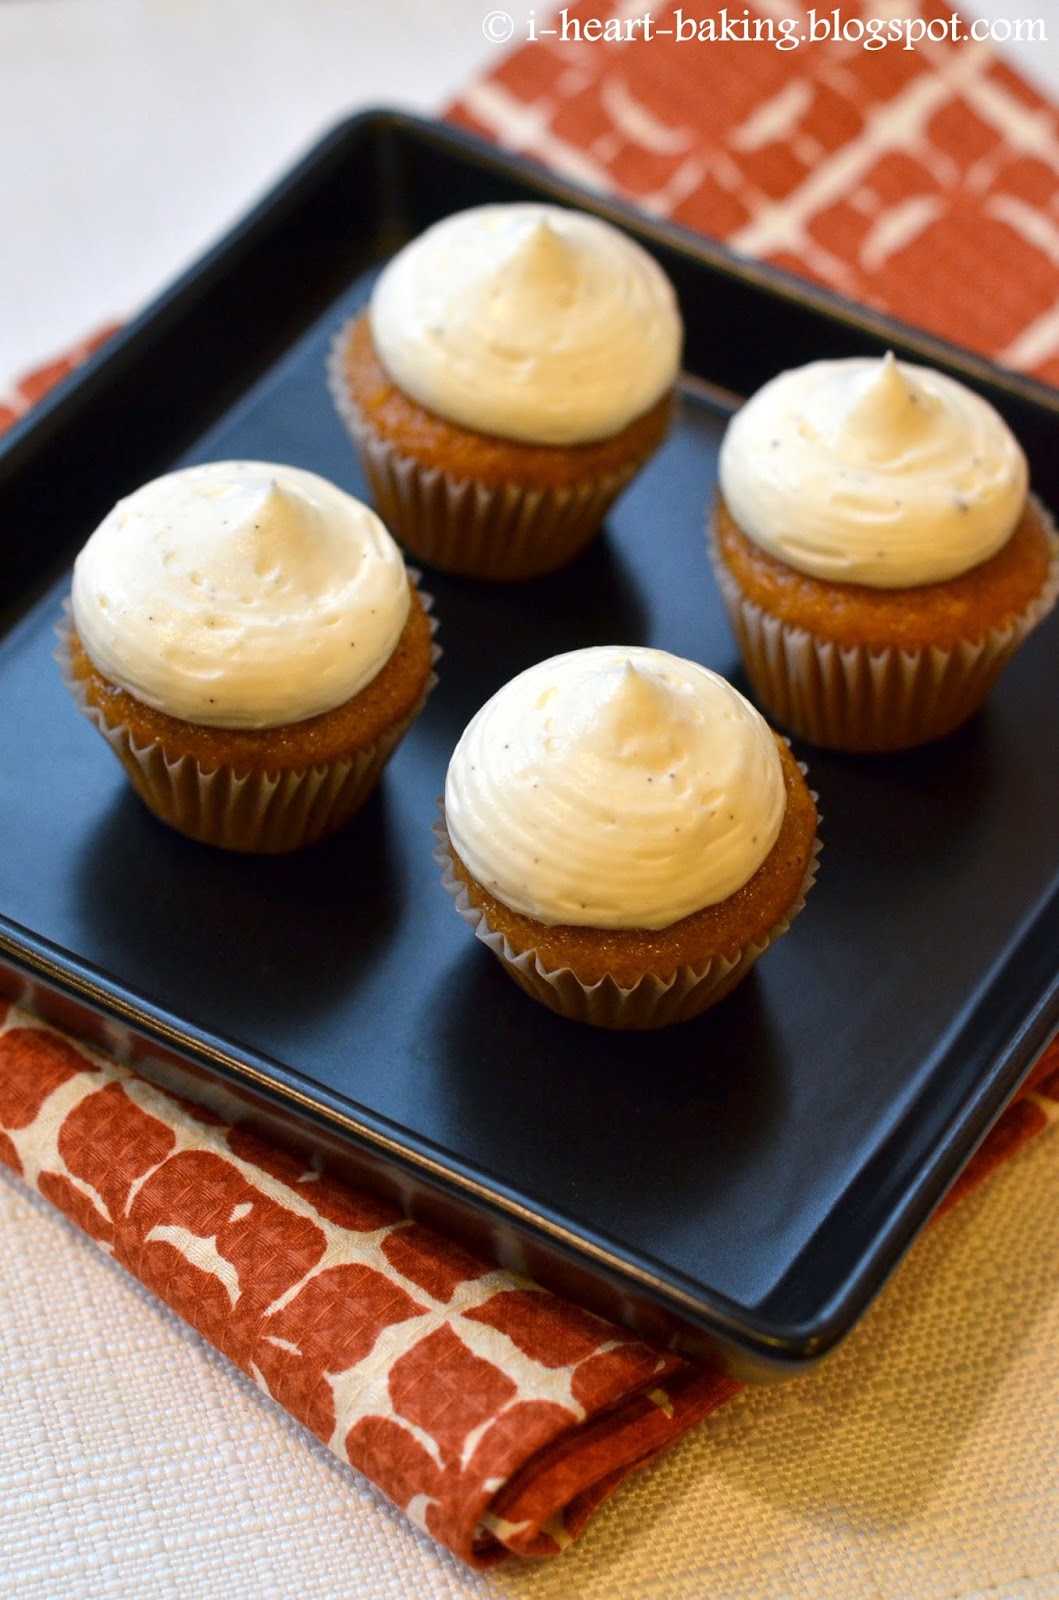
column 923, row 182
column 496, row 1415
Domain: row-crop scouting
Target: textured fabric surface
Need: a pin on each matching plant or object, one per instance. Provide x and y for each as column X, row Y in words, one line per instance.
column 911, row 180
column 494, row 1414
column 919, row 1462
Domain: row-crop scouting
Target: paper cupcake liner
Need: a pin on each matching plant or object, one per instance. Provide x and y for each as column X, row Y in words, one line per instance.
column 259, row 813
column 650, row 1003
column 849, row 697
column 457, row 525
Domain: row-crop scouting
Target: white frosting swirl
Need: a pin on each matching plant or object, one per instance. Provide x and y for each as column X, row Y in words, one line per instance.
column 240, row 594
column 614, row 787
column 866, row 471
column 528, row 322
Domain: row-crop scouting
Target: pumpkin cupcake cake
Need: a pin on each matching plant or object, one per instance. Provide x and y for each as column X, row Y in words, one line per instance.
column 878, row 551
column 515, row 369
column 248, row 641
column 626, row 834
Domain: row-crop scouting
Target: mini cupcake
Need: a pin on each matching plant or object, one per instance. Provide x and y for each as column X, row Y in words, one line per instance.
column 879, row 555
column 248, row 641
column 626, row 834
column 515, row 369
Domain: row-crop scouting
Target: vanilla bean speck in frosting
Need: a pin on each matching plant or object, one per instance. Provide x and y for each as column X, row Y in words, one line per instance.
column 614, row 787
column 240, row 595
column 528, row 322
column 873, row 471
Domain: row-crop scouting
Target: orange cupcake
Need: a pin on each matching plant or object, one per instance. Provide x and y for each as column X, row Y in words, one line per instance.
column 626, row 834
column 248, row 641
column 879, row 555
column 515, row 370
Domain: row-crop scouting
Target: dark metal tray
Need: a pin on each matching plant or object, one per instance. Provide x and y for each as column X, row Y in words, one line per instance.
column 741, row 1184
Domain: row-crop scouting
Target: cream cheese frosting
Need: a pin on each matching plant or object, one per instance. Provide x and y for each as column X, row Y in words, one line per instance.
column 874, row 472
column 614, row 787
column 528, row 322
column 240, row 594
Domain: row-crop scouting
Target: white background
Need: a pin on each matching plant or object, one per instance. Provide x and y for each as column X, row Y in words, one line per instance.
column 135, row 131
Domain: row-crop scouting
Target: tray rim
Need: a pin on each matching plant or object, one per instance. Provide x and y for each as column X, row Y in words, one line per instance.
column 786, row 1346
column 383, row 121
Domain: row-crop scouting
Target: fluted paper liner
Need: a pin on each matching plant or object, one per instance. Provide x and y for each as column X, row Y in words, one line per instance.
column 849, row 697
column 258, row 813
column 457, row 525
column 652, row 1002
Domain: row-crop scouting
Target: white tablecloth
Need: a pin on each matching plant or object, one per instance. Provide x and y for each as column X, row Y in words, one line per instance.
column 922, row 1460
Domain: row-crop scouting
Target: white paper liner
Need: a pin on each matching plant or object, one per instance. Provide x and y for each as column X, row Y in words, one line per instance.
column 650, row 1003
column 848, row 697
column 468, row 528
column 257, row 813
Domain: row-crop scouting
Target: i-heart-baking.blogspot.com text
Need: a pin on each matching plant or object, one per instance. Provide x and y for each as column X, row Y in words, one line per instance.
column 731, row 25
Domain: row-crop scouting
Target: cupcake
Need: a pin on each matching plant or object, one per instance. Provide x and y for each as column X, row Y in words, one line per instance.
column 878, row 551
column 626, row 834
column 515, row 369
column 248, row 641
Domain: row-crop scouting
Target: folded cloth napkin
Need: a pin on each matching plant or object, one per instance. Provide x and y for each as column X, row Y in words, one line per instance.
column 917, row 176
column 496, row 1415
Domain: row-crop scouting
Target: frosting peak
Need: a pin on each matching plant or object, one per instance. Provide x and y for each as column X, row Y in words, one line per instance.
column 631, row 714
column 887, row 410
column 873, row 472
column 528, row 322
column 542, row 268
column 615, row 787
column 241, row 524
column 240, row 595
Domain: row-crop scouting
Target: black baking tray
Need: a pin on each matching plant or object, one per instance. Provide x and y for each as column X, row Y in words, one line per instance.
column 739, row 1186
